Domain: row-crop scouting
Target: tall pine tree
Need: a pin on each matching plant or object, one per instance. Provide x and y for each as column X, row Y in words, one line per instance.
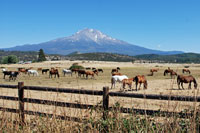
column 41, row 56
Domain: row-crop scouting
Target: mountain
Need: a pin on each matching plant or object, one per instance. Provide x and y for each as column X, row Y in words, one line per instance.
column 88, row 41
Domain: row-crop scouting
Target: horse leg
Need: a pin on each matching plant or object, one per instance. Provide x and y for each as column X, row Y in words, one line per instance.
column 140, row 86
column 189, row 87
column 182, row 85
column 178, row 83
column 136, row 86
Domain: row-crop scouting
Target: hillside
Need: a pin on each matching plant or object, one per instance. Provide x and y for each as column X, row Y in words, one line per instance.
column 22, row 55
column 177, row 58
column 89, row 41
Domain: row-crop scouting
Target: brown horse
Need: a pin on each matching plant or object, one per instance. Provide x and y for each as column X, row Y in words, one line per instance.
column 140, row 79
column 127, row 82
column 186, row 79
column 54, row 72
column 81, row 72
column 116, row 73
column 154, row 70
column 91, row 73
column 186, row 70
column 167, row 71
column 23, row 70
column 115, row 70
column 173, row 74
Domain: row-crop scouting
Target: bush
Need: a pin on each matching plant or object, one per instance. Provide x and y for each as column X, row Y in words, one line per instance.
column 76, row 66
column 11, row 59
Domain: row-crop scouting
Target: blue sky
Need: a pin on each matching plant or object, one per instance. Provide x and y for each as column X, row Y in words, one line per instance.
column 156, row 24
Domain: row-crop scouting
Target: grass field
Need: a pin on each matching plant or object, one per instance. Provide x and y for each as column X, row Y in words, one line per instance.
column 157, row 84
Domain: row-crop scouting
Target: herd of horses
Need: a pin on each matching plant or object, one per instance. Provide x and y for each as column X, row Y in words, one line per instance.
column 116, row 76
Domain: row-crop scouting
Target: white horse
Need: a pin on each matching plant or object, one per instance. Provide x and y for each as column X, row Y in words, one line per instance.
column 34, row 72
column 117, row 78
column 66, row 71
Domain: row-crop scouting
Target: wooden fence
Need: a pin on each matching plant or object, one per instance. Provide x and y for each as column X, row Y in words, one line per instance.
column 105, row 93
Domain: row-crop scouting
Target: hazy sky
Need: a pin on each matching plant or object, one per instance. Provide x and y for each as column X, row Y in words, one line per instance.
column 155, row 24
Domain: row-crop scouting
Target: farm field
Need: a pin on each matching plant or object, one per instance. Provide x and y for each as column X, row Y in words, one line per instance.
column 157, row 84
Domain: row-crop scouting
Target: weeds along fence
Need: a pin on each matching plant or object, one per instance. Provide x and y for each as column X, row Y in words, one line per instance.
column 105, row 104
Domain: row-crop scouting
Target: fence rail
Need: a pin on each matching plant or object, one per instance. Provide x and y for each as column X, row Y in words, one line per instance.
column 105, row 93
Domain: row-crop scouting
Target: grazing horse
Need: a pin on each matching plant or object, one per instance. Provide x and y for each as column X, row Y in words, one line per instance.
column 54, row 72
column 117, row 78
column 23, row 70
column 34, row 72
column 186, row 70
column 186, row 79
column 66, row 71
column 39, row 69
column 74, row 70
column 100, row 70
column 45, row 71
column 13, row 75
column 127, row 82
column 87, row 73
column 140, row 79
column 81, row 72
column 6, row 73
column 167, row 71
column 154, row 70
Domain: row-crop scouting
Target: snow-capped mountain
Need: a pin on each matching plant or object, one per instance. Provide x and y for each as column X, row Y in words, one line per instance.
column 89, row 40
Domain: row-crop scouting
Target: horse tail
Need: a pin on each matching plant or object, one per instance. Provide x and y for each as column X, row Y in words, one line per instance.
column 164, row 73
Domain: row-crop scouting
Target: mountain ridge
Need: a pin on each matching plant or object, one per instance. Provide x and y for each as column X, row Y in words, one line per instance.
column 87, row 41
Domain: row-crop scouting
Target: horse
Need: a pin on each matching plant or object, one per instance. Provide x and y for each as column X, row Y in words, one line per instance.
column 45, row 71
column 127, row 82
column 186, row 70
column 87, row 68
column 140, row 79
column 54, row 72
column 154, row 70
column 116, row 73
column 74, row 70
column 66, row 71
column 6, row 73
column 100, row 70
column 34, row 72
column 167, row 71
column 91, row 73
column 115, row 70
column 23, row 70
column 39, row 69
column 13, row 75
column 186, row 79
column 117, row 78
column 81, row 72
column 173, row 74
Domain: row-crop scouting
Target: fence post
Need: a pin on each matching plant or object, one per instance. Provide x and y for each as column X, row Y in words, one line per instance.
column 21, row 101
column 105, row 102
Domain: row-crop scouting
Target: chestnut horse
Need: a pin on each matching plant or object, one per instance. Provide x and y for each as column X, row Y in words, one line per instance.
column 127, row 82
column 140, row 79
column 54, row 72
column 91, row 73
column 186, row 70
column 186, row 79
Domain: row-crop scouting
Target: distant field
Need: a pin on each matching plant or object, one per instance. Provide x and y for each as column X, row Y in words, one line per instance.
column 157, row 84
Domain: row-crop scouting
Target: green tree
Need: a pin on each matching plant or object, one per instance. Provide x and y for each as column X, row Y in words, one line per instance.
column 11, row 59
column 41, row 56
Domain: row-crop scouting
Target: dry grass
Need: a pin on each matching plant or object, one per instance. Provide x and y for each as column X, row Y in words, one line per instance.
column 157, row 84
